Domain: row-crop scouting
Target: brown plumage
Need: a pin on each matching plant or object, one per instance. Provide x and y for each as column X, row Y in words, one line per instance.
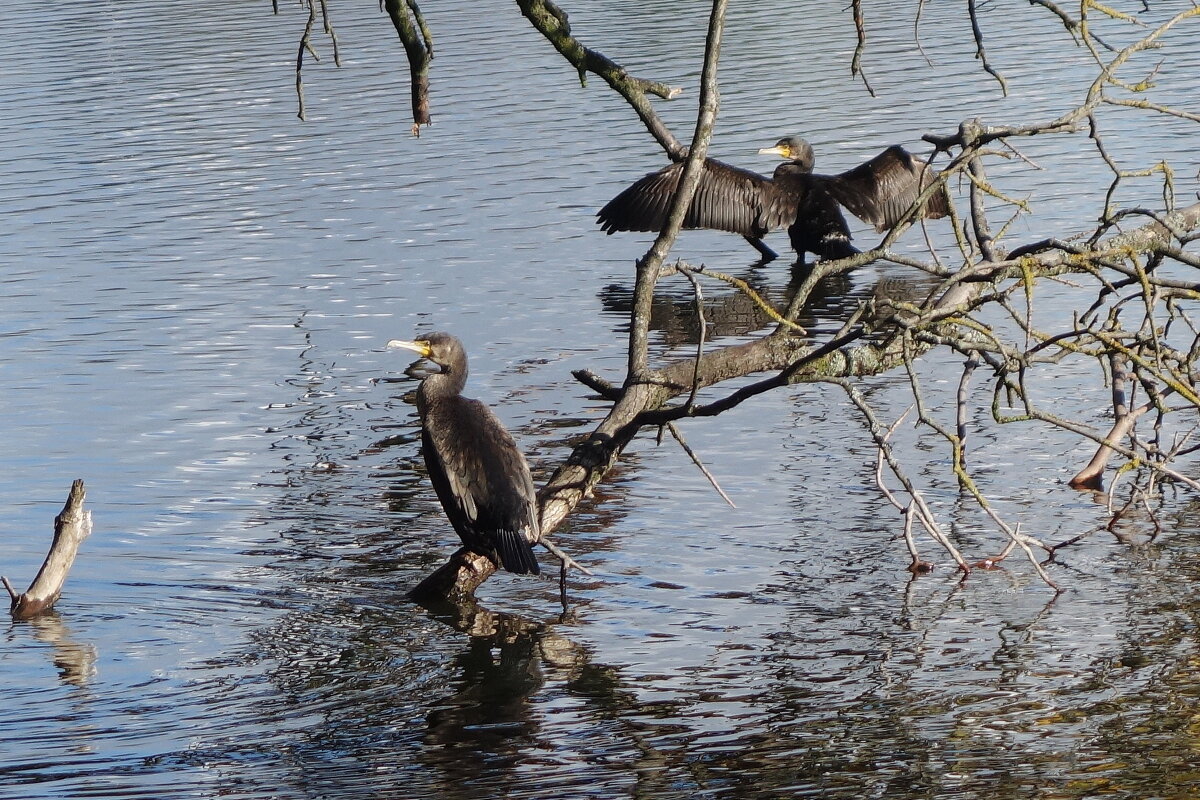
column 479, row 475
column 879, row 191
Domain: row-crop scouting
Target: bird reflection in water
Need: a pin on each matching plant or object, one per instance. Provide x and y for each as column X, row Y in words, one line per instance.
column 832, row 300
column 727, row 198
column 488, row 713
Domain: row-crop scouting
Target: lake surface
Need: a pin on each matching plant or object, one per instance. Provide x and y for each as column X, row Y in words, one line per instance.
column 198, row 287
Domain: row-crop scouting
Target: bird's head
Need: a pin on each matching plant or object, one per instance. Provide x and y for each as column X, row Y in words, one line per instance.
column 792, row 148
column 441, row 348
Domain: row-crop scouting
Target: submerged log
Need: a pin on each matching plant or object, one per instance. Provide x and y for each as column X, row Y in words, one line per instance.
column 71, row 527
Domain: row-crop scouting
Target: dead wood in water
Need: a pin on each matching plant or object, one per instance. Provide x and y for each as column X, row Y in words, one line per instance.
column 456, row 580
column 71, row 527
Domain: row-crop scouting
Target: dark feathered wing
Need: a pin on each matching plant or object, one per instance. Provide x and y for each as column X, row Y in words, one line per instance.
column 881, row 191
column 482, row 481
column 727, row 199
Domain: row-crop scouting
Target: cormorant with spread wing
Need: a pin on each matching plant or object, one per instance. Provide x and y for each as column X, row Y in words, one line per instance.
column 879, row 191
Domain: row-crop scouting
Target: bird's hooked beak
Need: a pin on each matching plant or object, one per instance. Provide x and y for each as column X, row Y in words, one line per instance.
column 781, row 150
column 420, row 346
column 419, row 369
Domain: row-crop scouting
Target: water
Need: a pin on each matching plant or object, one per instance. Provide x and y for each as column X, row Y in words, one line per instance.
column 198, row 287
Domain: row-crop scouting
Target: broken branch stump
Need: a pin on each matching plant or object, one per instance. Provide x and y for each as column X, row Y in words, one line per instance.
column 71, row 527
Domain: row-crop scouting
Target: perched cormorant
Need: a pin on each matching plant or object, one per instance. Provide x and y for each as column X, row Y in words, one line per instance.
column 479, row 475
column 728, row 198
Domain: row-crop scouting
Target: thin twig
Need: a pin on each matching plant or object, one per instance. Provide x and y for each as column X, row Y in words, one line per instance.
column 562, row 556
column 305, row 46
column 701, row 330
column 980, row 51
column 860, row 30
column 674, row 429
column 880, row 435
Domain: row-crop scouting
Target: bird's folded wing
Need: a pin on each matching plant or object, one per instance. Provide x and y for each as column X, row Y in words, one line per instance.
column 485, row 472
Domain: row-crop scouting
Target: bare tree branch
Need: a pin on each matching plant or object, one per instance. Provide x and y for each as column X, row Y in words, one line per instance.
column 414, row 35
column 551, row 22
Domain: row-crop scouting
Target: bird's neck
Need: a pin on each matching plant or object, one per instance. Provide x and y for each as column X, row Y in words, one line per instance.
column 790, row 169
column 444, row 384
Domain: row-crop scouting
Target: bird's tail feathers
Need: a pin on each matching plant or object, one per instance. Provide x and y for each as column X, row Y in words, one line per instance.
column 516, row 554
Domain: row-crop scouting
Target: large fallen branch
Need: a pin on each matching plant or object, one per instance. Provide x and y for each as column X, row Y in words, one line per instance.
column 885, row 333
column 792, row 360
column 795, row 361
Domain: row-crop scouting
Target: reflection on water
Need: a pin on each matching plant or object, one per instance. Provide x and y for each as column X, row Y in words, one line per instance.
column 198, row 289
column 674, row 315
column 75, row 661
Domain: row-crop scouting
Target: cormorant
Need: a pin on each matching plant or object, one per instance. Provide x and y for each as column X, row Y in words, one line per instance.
column 479, row 475
column 728, row 198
